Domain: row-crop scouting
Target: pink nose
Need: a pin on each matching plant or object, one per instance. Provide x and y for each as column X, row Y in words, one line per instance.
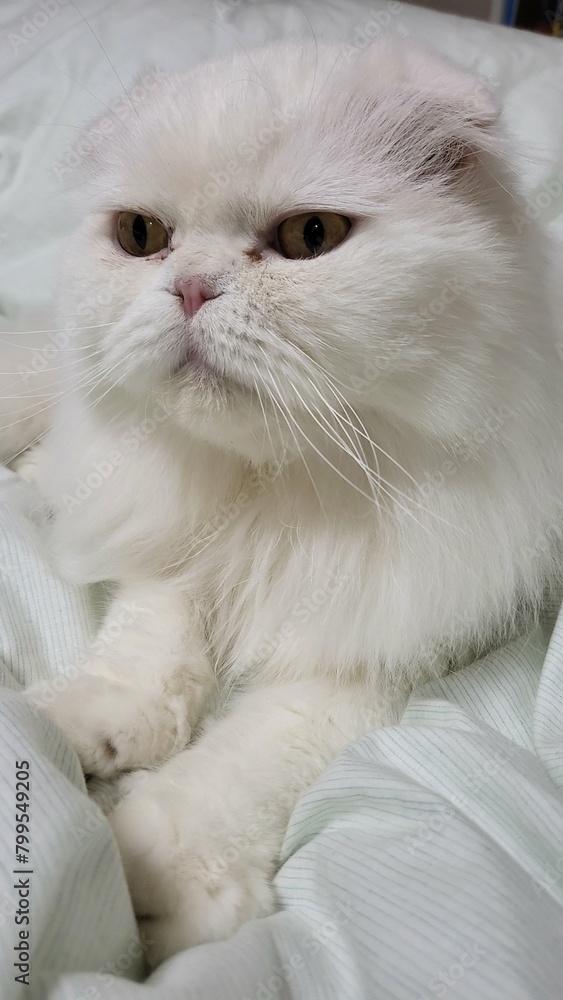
column 193, row 292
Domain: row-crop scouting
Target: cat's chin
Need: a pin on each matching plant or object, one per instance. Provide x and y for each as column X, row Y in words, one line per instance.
column 195, row 364
column 196, row 373
column 225, row 416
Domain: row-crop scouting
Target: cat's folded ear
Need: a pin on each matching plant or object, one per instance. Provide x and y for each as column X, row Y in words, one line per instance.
column 430, row 114
column 433, row 75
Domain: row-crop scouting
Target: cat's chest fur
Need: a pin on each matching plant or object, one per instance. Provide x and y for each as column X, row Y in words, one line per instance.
column 290, row 591
column 297, row 571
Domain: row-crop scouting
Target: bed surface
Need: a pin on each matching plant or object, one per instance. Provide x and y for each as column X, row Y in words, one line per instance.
column 428, row 861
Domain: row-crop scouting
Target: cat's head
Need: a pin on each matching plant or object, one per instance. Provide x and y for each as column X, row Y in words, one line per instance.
column 296, row 231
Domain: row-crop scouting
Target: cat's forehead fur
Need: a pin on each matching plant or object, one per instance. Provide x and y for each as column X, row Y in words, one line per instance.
column 283, row 128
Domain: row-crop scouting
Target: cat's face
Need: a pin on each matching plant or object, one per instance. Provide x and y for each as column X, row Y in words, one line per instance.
column 292, row 232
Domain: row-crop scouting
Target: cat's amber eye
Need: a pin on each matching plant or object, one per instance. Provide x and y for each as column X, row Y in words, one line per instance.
column 140, row 235
column 311, row 234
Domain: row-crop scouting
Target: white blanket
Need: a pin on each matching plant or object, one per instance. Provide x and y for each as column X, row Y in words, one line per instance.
column 428, row 861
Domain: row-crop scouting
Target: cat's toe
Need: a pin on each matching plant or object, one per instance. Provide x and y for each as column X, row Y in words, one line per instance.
column 182, row 891
column 111, row 726
column 209, row 909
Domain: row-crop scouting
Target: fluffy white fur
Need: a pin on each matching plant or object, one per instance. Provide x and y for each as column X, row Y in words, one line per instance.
column 363, row 484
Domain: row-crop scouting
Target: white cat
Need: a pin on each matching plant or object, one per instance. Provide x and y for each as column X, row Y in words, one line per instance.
column 314, row 437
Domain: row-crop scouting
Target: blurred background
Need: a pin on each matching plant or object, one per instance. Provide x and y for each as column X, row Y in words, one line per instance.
column 545, row 16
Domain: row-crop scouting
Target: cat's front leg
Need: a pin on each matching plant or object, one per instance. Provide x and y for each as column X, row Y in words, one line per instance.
column 200, row 838
column 142, row 687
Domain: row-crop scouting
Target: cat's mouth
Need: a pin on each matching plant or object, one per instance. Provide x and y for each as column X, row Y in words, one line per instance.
column 194, row 357
column 195, row 365
column 194, row 362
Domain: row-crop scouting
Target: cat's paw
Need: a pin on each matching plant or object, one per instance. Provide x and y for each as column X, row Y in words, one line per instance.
column 188, row 883
column 114, row 726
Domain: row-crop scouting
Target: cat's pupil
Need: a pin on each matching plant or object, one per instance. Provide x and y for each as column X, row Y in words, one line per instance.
column 314, row 234
column 139, row 231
